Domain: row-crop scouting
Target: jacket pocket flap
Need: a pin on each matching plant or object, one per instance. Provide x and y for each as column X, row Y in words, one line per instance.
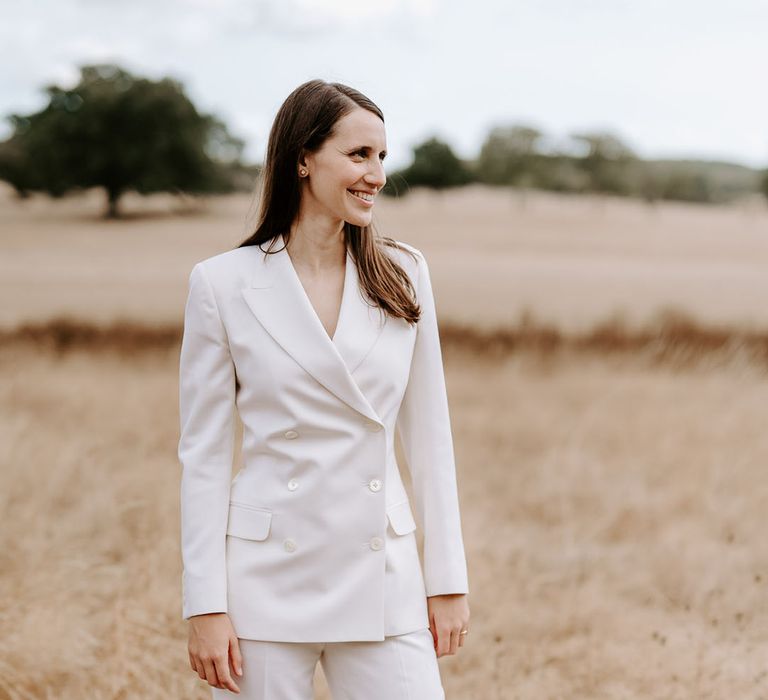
column 401, row 518
column 248, row 522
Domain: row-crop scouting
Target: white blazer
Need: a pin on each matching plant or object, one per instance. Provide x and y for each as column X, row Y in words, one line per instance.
column 297, row 547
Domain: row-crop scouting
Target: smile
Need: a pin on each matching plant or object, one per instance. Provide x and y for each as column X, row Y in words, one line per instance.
column 362, row 196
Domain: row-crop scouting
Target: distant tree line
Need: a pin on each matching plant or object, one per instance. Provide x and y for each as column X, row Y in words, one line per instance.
column 121, row 132
column 595, row 162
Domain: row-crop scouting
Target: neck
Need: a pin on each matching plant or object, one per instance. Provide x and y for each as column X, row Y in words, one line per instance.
column 315, row 251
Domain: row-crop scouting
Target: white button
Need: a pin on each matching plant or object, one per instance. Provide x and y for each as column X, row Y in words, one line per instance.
column 373, row 425
column 374, row 485
column 290, row 545
column 293, row 485
column 376, row 543
column 291, row 434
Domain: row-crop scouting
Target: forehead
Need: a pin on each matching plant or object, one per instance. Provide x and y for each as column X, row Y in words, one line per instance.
column 362, row 128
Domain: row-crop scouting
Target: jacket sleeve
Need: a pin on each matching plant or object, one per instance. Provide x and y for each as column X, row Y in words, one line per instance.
column 206, row 448
column 423, row 424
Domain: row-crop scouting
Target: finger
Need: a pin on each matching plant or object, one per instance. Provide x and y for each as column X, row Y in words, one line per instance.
column 443, row 641
column 192, row 661
column 237, row 657
column 210, row 673
column 455, row 640
column 433, row 630
column 461, row 639
column 435, row 635
column 199, row 668
column 222, row 670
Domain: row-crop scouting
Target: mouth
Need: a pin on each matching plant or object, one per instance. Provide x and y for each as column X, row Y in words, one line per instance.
column 364, row 198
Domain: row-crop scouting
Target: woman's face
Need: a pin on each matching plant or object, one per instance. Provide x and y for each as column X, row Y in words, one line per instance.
column 349, row 161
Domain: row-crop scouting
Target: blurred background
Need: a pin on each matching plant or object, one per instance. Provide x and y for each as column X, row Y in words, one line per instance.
column 588, row 182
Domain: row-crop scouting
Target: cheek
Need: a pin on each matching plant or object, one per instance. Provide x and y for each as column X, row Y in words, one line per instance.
column 338, row 179
column 332, row 188
column 351, row 174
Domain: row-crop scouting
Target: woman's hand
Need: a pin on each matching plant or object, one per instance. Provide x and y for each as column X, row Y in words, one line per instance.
column 213, row 644
column 448, row 615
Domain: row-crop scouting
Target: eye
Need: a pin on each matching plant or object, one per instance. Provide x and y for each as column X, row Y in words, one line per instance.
column 363, row 154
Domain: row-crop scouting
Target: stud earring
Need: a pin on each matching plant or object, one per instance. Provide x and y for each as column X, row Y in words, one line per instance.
column 302, row 172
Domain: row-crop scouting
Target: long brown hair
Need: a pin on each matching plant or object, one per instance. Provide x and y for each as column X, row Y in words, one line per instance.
column 304, row 121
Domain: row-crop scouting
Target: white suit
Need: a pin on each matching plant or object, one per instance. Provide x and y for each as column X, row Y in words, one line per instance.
column 297, row 547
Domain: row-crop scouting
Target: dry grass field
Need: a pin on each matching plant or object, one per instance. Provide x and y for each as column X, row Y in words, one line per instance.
column 613, row 493
column 567, row 260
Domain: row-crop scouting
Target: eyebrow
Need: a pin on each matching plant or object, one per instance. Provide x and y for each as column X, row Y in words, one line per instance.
column 366, row 148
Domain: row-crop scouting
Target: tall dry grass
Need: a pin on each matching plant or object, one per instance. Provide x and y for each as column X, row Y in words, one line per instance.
column 612, row 507
column 672, row 338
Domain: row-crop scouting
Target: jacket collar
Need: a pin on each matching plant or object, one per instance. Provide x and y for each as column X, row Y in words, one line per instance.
column 277, row 298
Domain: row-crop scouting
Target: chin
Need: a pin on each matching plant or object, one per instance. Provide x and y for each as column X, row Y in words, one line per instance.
column 359, row 220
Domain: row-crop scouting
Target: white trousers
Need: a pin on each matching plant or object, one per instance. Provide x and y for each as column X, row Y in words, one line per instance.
column 402, row 667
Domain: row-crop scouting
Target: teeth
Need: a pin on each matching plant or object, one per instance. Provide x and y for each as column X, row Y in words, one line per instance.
column 363, row 195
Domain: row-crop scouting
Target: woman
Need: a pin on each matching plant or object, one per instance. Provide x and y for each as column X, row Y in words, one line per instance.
column 326, row 343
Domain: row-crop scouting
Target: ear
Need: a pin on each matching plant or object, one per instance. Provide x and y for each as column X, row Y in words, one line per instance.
column 304, row 161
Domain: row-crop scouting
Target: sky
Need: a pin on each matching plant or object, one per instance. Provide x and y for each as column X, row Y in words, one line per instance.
column 671, row 79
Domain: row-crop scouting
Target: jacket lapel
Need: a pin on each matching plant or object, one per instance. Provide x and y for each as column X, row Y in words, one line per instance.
column 359, row 325
column 278, row 300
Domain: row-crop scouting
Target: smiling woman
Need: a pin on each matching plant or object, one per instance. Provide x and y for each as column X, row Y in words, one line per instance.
column 359, row 169
column 327, row 345
column 324, row 168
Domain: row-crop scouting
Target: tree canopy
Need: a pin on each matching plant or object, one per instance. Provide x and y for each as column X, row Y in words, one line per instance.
column 120, row 132
column 435, row 165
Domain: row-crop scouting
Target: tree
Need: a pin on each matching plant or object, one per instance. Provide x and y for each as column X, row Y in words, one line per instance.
column 435, row 165
column 507, row 155
column 119, row 132
column 606, row 161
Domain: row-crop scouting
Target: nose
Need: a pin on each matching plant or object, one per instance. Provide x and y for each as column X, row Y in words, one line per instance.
column 375, row 177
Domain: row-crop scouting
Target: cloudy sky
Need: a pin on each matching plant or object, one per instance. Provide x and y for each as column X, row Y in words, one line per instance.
column 672, row 78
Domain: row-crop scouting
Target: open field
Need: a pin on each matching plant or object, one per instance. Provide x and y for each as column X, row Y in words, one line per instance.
column 571, row 261
column 612, row 484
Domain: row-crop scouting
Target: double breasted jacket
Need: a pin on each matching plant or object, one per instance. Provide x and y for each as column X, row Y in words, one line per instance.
column 314, row 540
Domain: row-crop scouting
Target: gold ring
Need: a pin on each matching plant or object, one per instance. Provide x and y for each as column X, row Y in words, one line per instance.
column 463, row 631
